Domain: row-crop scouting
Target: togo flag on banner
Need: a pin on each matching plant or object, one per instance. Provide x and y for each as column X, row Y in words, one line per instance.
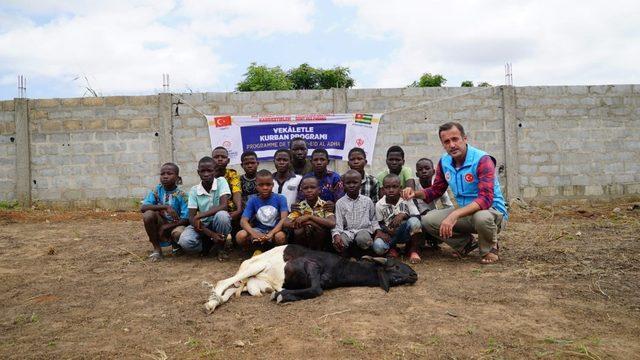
column 337, row 133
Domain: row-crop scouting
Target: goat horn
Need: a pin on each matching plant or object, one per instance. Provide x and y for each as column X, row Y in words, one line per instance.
column 379, row 260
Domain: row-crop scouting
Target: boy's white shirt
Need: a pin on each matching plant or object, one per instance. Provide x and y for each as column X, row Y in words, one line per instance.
column 396, row 209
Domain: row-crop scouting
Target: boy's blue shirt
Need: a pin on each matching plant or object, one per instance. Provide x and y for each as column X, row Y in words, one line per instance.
column 264, row 214
column 176, row 198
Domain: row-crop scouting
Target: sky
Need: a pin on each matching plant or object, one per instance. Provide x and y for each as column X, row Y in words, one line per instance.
column 122, row 47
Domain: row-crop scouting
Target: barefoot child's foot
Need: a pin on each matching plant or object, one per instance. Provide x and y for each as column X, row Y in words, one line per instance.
column 414, row 258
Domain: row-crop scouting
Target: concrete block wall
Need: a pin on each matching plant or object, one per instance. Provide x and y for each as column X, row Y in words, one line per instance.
column 578, row 141
column 93, row 151
column 7, row 152
column 550, row 142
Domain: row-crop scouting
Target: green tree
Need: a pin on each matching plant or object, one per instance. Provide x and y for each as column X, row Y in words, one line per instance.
column 304, row 77
column 467, row 83
column 484, row 84
column 263, row 78
column 429, row 80
column 338, row 77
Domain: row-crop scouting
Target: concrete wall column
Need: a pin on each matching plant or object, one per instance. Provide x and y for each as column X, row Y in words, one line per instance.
column 23, row 152
column 340, row 107
column 165, row 133
column 510, row 141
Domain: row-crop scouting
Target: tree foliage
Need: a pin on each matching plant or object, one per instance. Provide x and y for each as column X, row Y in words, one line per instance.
column 467, row 83
column 263, row 78
column 304, row 77
column 484, row 84
column 429, row 80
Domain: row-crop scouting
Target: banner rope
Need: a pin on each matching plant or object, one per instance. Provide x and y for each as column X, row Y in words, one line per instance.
column 183, row 101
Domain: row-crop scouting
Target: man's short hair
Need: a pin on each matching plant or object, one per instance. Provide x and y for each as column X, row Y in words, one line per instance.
column 263, row 173
column 248, row 153
column 450, row 125
column 357, row 150
column 282, row 150
column 320, row 151
column 395, row 148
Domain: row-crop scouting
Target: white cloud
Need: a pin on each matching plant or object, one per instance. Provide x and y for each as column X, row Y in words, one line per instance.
column 560, row 42
column 126, row 46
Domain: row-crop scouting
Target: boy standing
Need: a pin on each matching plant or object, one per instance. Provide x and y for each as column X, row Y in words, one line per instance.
column 300, row 165
column 355, row 217
column 425, row 172
column 285, row 181
column 399, row 222
column 267, row 211
column 249, row 163
column 220, row 156
column 331, row 187
column 369, row 184
column 209, row 221
column 311, row 222
column 395, row 165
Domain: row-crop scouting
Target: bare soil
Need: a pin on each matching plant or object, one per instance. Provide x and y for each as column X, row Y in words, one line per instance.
column 78, row 285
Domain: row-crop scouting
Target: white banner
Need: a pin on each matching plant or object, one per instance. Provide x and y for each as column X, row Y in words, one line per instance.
column 337, row 133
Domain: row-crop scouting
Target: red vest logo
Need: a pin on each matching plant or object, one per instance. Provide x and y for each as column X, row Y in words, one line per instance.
column 468, row 178
column 221, row 121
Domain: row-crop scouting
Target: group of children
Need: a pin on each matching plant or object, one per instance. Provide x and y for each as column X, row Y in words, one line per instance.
column 302, row 202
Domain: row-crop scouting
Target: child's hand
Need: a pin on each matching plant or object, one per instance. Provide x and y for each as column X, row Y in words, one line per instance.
column 329, row 206
column 172, row 213
column 197, row 224
column 384, row 236
column 217, row 237
column 268, row 237
column 396, row 221
column 255, row 236
column 300, row 220
column 337, row 242
column 408, row 193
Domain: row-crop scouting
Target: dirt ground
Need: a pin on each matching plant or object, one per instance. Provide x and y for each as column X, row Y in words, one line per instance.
column 78, row 285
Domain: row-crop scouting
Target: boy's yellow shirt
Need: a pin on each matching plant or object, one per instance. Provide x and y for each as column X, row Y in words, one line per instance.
column 305, row 209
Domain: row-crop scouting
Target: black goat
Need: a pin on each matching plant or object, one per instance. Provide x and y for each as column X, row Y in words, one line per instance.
column 294, row 273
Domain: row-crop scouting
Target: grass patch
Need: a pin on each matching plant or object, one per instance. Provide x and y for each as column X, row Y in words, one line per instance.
column 352, row 342
column 8, row 205
column 192, row 342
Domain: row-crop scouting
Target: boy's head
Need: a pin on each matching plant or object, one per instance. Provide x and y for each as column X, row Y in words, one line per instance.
column 357, row 159
column 249, row 163
column 281, row 160
column 424, row 169
column 310, row 189
column 298, row 147
column 395, row 159
column 220, row 157
column 352, row 181
column 319, row 160
column 264, row 183
column 207, row 170
column 391, row 185
column 170, row 175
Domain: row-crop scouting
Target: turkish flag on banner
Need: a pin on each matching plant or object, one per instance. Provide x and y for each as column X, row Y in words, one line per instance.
column 220, row 121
